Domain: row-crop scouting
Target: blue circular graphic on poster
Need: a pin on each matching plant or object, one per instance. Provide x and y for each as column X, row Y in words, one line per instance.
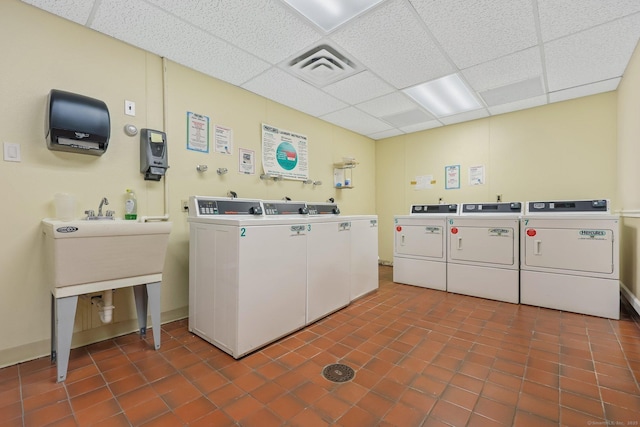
column 287, row 156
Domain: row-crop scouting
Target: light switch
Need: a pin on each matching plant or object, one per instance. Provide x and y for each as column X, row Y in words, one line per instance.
column 130, row 108
column 11, row 152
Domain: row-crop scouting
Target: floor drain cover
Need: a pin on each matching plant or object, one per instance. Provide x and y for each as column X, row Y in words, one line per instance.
column 338, row 373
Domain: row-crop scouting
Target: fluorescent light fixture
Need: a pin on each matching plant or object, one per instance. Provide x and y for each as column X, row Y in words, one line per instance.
column 445, row 96
column 330, row 14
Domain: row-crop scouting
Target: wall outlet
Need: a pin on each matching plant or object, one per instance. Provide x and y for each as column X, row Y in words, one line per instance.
column 185, row 205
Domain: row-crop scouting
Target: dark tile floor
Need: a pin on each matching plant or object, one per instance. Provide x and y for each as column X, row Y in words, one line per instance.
column 422, row 358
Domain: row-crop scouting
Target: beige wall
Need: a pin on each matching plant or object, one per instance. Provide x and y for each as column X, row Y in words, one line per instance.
column 41, row 52
column 557, row 151
column 629, row 174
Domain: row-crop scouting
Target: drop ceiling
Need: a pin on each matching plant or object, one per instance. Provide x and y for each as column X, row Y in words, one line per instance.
column 512, row 54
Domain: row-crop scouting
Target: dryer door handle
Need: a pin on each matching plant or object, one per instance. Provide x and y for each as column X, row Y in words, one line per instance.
column 460, row 243
column 537, row 244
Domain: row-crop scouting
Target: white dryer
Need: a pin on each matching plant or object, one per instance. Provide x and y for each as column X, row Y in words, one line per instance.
column 483, row 251
column 570, row 257
column 247, row 273
column 420, row 246
column 364, row 255
column 328, row 260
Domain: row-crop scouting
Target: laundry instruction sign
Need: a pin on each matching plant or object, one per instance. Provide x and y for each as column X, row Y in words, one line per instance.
column 284, row 153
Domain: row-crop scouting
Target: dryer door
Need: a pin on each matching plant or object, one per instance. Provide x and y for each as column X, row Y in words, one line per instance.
column 483, row 244
column 420, row 240
column 573, row 249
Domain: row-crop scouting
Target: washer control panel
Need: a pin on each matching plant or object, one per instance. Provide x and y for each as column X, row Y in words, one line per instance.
column 569, row 206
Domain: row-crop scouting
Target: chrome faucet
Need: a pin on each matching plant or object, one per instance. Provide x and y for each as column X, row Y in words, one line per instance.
column 103, row 202
column 92, row 216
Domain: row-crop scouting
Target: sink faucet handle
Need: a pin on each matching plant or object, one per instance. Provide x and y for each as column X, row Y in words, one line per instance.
column 90, row 213
column 110, row 213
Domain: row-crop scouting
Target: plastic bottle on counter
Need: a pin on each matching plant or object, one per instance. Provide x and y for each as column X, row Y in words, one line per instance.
column 131, row 205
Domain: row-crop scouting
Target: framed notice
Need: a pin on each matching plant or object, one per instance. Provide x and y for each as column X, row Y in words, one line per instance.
column 452, row 177
column 197, row 132
column 247, row 163
column 476, row 175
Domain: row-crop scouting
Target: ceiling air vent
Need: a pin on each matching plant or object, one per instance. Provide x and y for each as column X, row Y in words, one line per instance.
column 321, row 66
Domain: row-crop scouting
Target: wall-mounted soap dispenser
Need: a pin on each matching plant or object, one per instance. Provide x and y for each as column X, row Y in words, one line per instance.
column 153, row 154
column 76, row 123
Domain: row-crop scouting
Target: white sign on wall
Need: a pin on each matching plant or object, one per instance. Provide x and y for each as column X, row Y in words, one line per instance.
column 284, row 153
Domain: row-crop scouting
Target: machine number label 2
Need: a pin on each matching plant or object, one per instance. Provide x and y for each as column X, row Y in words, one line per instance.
column 243, row 232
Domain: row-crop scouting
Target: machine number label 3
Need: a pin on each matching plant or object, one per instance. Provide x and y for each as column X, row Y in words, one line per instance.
column 593, row 234
column 499, row 232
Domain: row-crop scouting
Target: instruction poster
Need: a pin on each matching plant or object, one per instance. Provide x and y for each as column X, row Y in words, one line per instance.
column 223, row 139
column 247, row 164
column 476, row 175
column 284, row 153
column 197, row 132
column 452, row 177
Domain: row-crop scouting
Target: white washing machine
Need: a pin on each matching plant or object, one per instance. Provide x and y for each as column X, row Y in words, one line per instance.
column 483, row 251
column 570, row 257
column 328, row 260
column 364, row 255
column 247, row 273
column 420, row 246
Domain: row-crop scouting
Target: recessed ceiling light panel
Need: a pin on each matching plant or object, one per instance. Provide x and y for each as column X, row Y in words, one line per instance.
column 445, row 96
column 330, row 14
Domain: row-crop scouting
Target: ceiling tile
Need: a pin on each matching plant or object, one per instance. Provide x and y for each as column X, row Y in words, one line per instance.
column 519, row 105
column 421, row 126
column 392, row 103
column 465, row 117
column 356, row 120
column 270, row 31
column 154, row 30
column 281, row 87
column 385, row 134
column 358, row 88
column 512, row 68
column 399, row 50
column 513, row 92
column 74, row 10
column 600, row 53
column 473, row 32
column 585, row 90
column 561, row 18
column 408, row 118
column 494, row 45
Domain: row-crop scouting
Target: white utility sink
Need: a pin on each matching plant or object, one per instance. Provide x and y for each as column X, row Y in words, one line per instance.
column 84, row 251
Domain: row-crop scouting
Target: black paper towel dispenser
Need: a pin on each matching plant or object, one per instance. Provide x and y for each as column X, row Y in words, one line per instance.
column 76, row 123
